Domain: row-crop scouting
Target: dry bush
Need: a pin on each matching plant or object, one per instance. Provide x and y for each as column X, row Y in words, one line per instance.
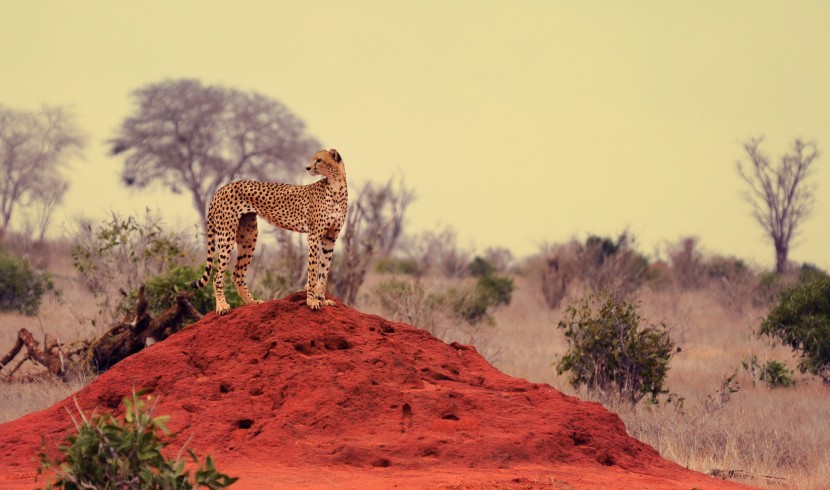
column 407, row 300
column 443, row 307
column 438, row 253
column 600, row 263
column 684, row 259
column 373, row 227
column 39, row 253
column 740, row 286
column 500, row 258
column 118, row 255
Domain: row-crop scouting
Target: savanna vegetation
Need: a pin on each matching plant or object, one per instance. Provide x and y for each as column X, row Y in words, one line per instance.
column 719, row 364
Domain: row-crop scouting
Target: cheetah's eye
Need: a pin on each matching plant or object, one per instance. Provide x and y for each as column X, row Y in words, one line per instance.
column 319, row 160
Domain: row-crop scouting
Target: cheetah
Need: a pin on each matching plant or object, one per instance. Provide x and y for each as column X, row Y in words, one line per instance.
column 318, row 209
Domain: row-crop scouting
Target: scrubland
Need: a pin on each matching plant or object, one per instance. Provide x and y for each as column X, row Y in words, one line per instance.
column 769, row 437
column 728, row 421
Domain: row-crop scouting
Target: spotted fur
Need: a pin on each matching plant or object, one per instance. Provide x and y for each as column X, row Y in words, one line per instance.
column 318, row 209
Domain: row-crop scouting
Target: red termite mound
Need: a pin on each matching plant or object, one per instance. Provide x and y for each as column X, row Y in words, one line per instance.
column 276, row 389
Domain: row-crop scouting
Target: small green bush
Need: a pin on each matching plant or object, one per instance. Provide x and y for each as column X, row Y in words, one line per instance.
column 161, row 291
column 393, row 265
column 777, row 375
column 21, row 287
column 474, row 305
column 106, row 453
column 611, row 354
column 809, row 273
column 774, row 373
column 801, row 319
column 481, row 267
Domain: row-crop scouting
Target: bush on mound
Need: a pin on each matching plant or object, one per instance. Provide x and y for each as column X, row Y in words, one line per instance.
column 107, row 453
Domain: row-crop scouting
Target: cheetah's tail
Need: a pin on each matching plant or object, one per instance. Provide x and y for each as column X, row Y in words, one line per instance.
column 211, row 244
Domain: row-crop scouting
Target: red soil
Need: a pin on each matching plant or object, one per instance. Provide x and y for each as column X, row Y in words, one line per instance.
column 285, row 397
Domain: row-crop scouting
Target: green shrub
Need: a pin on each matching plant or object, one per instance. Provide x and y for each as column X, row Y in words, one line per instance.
column 809, row 273
column 774, row 373
column 21, row 287
column 161, row 291
column 481, row 267
column 474, row 305
column 777, row 375
column 393, row 265
column 801, row 319
column 611, row 354
column 106, row 453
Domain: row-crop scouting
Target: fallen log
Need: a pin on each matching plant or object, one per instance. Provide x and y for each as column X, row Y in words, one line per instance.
column 119, row 342
column 129, row 337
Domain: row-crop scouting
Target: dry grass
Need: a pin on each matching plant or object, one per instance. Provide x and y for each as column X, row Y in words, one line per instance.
column 19, row 399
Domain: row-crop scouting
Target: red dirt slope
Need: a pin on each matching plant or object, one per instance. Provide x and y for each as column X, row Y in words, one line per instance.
column 289, row 398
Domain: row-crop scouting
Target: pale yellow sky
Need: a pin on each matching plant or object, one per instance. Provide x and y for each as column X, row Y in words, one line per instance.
column 516, row 122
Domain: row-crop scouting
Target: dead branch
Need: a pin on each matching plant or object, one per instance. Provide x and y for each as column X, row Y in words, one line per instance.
column 124, row 339
column 48, row 357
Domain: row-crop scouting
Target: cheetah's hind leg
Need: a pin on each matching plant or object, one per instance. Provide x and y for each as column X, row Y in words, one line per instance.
column 246, row 235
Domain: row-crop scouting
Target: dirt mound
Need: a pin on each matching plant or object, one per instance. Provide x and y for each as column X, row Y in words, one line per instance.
column 277, row 389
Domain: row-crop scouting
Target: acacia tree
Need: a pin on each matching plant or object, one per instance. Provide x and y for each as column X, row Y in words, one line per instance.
column 196, row 138
column 34, row 146
column 780, row 195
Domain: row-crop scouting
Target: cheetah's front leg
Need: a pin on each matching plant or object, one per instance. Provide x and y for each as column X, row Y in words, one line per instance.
column 312, row 300
column 327, row 250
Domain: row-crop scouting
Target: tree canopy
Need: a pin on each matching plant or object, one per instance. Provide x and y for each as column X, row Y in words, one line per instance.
column 192, row 137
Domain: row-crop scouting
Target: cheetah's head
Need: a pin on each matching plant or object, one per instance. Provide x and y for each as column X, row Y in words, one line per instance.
column 328, row 164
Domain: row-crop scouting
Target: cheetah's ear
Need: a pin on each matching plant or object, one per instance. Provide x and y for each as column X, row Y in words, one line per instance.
column 335, row 155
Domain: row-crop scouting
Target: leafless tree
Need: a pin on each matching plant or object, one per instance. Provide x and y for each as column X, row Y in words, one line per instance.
column 196, row 138
column 373, row 226
column 34, row 146
column 50, row 195
column 438, row 252
column 781, row 197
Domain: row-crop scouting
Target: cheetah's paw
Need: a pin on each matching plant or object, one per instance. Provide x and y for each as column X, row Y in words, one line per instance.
column 313, row 302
